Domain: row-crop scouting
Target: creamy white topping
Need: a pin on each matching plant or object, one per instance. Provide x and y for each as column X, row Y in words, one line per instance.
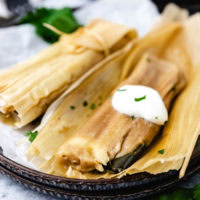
column 140, row 101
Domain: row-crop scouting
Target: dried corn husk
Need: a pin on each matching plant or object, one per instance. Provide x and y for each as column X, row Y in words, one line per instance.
column 26, row 90
column 109, row 134
column 61, row 122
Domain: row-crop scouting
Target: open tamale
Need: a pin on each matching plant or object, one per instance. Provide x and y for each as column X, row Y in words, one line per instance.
column 109, row 135
column 26, row 90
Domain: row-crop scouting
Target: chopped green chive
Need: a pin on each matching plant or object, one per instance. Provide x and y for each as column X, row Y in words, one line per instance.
column 72, row 107
column 121, row 90
column 162, row 151
column 132, row 117
column 140, row 98
column 156, row 117
column 31, row 135
column 92, row 107
column 85, row 103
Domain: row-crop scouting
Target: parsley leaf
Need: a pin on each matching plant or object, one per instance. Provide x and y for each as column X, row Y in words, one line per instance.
column 181, row 194
column 92, row 107
column 31, row 135
column 85, row 103
column 162, row 151
column 72, row 107
column 62, row 19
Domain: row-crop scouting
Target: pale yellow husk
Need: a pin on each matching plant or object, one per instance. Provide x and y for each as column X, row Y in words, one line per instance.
column 39, row 151
column 64, row 121
column 26, row 90
column 181, row 133
column 106, row 134
column 179, row 136
column 180, row 46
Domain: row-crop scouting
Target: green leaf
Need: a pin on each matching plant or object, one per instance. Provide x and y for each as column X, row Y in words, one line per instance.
column 85, row 103
column 181, row 194
column 31, row 135
column 28, row 133
column 196, row 192
column 162, row 151
column 72, row 107
column 92, row 107
column 62, row 19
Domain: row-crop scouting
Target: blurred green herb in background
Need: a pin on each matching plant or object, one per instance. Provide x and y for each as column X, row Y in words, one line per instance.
column 62, row 19
column 181, row 194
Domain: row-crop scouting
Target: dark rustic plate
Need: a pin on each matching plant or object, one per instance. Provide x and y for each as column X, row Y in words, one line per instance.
column 137, row 186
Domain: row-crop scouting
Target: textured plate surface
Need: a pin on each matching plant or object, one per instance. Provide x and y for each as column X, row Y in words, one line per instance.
column 135, row 186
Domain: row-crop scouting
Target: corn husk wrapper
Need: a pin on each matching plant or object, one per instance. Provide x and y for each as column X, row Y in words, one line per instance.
column 177, row 52
column 26, row 90
column 179, row 136
column 61, row 122
column 163, row 36
column 182, row 131
column 155, row 42
column 181, row 48
column 110, row 134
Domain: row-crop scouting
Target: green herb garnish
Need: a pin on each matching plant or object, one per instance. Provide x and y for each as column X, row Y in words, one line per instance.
column 162, row 151
column 92, row 107
column 62, row 19
column 156, row 117
column 72, row 107
column 132, row 117
column 181, row 194
column 85, row 103
column 140, row 98
column 31, row 135
column 165, row 122
column 121, row 90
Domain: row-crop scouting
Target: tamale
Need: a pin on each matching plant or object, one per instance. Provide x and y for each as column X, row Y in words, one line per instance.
column 26, row 90
column 178, row 138
column 39, row 152
column 85, row 98
column 108, row 134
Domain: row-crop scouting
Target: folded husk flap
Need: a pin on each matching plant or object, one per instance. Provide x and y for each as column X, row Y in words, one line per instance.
column 62, row 120
column 110, row 135
column 179, row 46
column 182, row 130
column 26, row 90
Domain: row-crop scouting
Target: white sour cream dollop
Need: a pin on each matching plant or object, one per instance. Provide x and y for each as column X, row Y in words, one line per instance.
column 140, row 101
